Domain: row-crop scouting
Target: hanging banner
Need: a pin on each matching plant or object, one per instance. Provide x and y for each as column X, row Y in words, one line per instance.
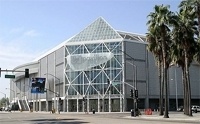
column 38, row 85
column 80, row 62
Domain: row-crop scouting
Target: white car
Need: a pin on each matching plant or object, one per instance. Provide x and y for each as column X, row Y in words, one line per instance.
column 180, row 109
column 195, row 108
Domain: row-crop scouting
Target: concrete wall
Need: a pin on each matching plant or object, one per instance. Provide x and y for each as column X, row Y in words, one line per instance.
column 52, row 68
column 136, row 51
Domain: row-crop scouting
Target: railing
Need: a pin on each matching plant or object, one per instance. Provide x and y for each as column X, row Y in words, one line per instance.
column 24, row 105
column 27, row 104
column 20, row 107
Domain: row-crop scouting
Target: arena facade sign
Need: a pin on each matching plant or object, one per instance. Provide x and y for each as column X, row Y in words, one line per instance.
column 81, row 62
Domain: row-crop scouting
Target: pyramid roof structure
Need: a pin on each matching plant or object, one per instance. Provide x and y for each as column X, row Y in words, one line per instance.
column 98, row 30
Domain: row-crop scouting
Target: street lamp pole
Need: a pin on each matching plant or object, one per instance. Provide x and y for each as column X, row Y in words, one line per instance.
column 134, row 85
column 176, row 89
column 58, row 94
column 134, row 80
column 14, row 96
column 175, row 78
column 134, row 66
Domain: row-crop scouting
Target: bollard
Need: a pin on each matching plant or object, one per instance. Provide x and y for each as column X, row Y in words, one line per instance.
column 53, row 111
column 93, row 110
column 132, row 112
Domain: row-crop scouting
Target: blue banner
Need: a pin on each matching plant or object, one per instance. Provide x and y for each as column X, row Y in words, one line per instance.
column 38, row 85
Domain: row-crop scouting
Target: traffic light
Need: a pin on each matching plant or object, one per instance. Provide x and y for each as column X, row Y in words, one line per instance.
column 131, row 91
column 60, row 101
column 108, row 81
column 136, row 93
column 26, row 73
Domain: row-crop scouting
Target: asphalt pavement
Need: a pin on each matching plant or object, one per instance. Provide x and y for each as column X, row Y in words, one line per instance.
column 117, row 117
column 173, row 116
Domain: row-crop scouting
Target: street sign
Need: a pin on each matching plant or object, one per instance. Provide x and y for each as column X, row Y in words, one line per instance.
column 9, row 76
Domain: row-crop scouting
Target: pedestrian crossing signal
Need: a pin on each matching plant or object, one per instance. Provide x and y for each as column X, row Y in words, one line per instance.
column 131, row 91
column 136, row 93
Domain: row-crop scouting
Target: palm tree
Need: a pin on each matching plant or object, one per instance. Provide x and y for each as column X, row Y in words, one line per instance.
column 159, row 21
column 197, row 55
column 193, row 6
column 154, row 46
column 183, row 50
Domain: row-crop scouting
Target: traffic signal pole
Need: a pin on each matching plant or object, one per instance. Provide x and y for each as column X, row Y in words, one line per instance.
column 26, row 72
column 10, row 71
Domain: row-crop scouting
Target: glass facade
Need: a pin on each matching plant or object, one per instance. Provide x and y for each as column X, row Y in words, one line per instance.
column 98, row 80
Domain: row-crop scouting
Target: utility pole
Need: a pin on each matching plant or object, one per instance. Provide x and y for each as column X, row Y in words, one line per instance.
column 57, row 94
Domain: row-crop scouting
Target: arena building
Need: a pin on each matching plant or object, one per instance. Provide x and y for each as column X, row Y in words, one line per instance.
column 95, row 70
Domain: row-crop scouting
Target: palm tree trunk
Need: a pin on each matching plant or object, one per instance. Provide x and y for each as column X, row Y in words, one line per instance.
column 184, row 89
column 188, row 94
column 161, row 85
column 166, row 92
column 166, row 114
column 189, row 112
column 162, row 95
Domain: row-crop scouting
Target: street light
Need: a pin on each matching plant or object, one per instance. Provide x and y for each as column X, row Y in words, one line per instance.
column 134, row 75
column 135, row 86
column 14, row 96
column 5, row 98
column 134, row 79
column 56, row 78
column 134, row 66
column 176, row 89
column 57, row 94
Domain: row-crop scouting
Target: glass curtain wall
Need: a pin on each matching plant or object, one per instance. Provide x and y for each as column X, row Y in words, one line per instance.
column 97, row 85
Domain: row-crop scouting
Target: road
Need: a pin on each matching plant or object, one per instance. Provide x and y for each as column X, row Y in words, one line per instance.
column 76, row 118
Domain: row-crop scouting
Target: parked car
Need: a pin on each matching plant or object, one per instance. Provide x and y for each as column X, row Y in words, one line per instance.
column 195, row 108
column 8, row 109
column 180, row 109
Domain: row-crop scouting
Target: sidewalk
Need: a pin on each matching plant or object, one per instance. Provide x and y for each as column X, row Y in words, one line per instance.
column 178, row 117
